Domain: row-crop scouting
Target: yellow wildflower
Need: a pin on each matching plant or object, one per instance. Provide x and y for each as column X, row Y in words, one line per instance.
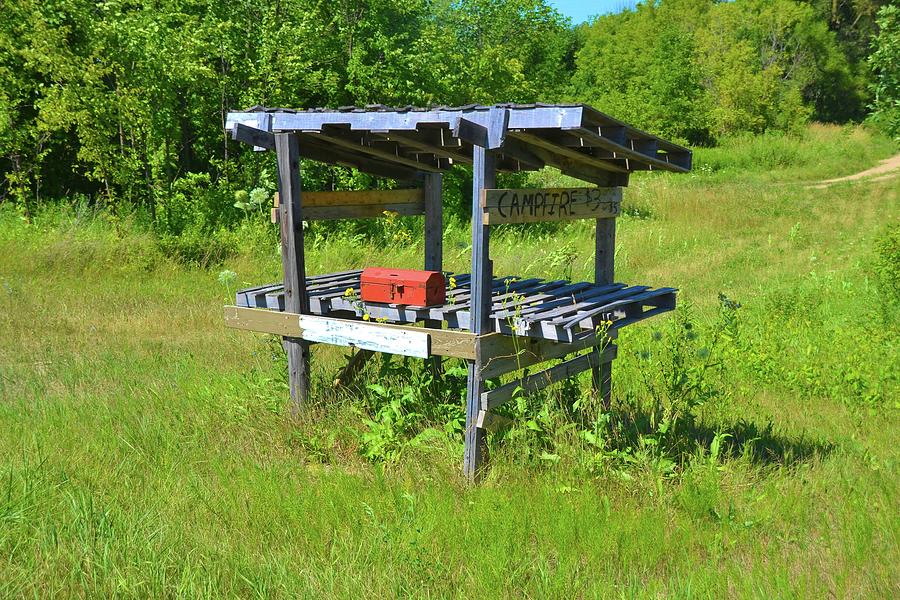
column 366, row 317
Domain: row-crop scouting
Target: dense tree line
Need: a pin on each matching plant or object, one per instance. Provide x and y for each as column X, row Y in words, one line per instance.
column 123, row 100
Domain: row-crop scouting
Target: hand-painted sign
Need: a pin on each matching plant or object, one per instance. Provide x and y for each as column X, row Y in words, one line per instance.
column 365, row 335
column 556, row 204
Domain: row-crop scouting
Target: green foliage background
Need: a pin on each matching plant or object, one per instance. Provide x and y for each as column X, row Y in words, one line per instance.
column 122, row 102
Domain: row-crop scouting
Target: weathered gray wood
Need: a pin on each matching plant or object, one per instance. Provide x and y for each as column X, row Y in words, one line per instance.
column 363, row 197
column 483, row 176
column 532, row 303
column 316, row 148
column 287, row 149
column 496, row 397
column 361, row 143
column 437, row 141
column 434, row 235
column 253, row 136
column 586, row 302
column 642, row 151
column 604, row 273
column 584, row 318
column 552, row 204
column 605, row 251
column 361, row 211
column 434, row 223
column 524, row 352
column 489, row 132
column 585, row 156
column 384, row 139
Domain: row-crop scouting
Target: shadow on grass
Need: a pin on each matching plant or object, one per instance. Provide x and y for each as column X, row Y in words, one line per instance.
column 761, row 445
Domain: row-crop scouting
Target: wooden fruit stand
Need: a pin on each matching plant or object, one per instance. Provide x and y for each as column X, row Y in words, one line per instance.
column 498, row 325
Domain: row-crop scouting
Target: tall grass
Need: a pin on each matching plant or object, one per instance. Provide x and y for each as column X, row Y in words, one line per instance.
column 751, row 449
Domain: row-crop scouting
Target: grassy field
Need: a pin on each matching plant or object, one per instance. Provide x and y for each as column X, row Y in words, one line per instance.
column 752, row 449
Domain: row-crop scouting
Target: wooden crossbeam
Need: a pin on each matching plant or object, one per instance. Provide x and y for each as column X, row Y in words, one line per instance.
column 439, row 142
column 582, row 157
column 362, row 143
column 522, row 352
column 253, row 136
column 640, row 150
column 493, row 398
column 361, row 204
column 443, row 342
column 316, row 148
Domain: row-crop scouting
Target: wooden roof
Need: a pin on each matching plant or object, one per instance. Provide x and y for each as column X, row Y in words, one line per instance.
column 402, row 142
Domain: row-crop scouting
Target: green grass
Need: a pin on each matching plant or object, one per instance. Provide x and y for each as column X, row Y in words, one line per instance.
column 147, row 450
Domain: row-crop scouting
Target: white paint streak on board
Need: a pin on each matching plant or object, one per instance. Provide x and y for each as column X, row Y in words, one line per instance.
column 367, row 336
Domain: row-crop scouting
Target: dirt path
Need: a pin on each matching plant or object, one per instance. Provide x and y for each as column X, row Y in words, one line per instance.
column 886, row 169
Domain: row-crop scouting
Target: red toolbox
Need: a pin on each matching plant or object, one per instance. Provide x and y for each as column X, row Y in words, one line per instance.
column 400, row 286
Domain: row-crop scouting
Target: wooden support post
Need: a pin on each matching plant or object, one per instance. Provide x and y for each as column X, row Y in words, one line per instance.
column 434, row 222
column 604, row 273
column 296, row 300
column 434, row 242
column 483, row 176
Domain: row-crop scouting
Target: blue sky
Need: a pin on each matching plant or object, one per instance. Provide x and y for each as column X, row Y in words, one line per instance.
column 580, row 10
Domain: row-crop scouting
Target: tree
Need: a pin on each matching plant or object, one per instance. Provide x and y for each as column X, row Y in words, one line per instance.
column 885, row 63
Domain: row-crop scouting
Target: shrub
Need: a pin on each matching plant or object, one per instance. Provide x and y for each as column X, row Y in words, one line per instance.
column 886, row 269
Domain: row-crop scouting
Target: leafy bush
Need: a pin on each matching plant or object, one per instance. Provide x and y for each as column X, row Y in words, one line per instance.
column 884, row 61
column 886, row 267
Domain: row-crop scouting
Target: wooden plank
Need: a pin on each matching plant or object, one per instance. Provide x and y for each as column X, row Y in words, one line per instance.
column 316, row 148
column 444, row 342
column 434, row 229
column 363, row 197
column 432, row 193
column 604, row 251
column 662, row 297
column 360, row 204
column 462, row 318
column 505, row 357
column 513, row 298
column 361, row 211
column 287, row 148
column 439, row 142
column 255, row 297
column 365, row 336
column 585, row 302
column 641, row 151
column 584, row 159
column 362, row 144
column 604, row 274
column 499, row 287
column 262, row 321
column 484, row 172
column 253, row 136
column 493, row 398
column 553, row 204
column 562, row 297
